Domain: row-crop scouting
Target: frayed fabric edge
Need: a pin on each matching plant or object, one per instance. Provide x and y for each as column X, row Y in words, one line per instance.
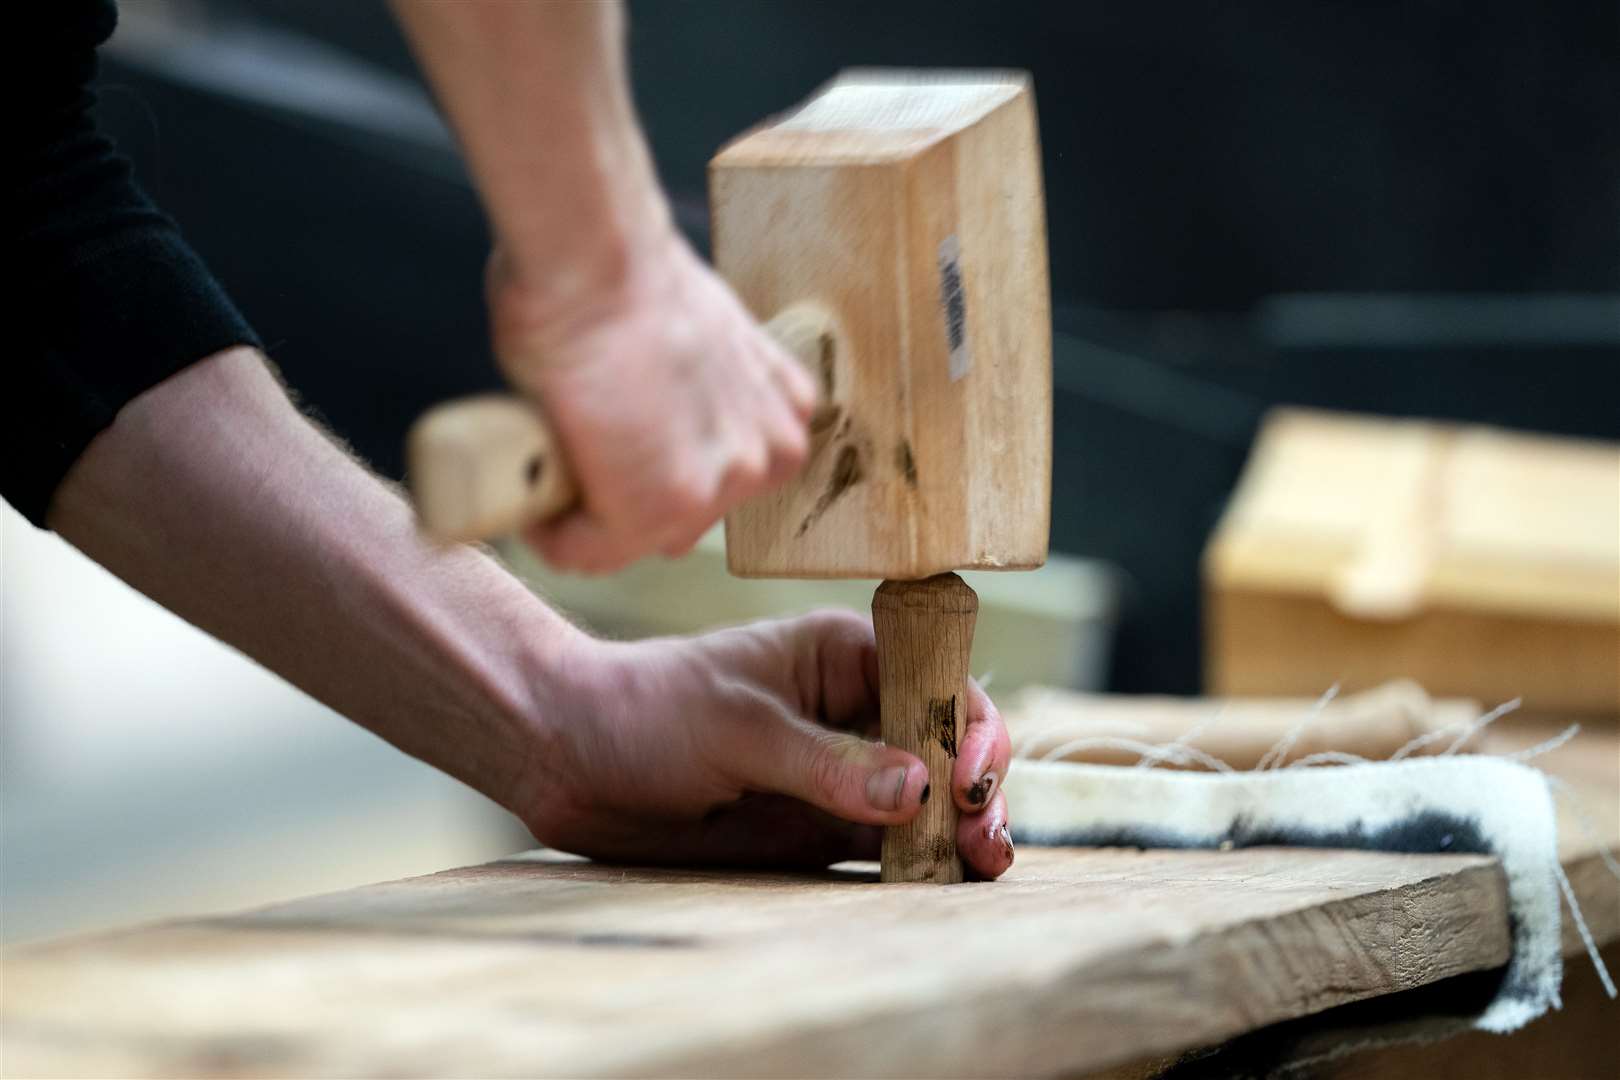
column 1442, row 805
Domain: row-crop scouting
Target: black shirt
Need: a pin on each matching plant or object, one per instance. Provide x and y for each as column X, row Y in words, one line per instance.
column 111, row 299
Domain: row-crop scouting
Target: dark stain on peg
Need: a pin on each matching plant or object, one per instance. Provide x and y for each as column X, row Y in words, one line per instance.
column 942, row 722
column 906, row 462
column 829, row 374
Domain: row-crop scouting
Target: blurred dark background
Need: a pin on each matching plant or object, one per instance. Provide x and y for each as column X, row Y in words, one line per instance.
column 1406, row 208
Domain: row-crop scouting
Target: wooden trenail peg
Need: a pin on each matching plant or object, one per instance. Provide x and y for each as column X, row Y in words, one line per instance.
column 924, row 641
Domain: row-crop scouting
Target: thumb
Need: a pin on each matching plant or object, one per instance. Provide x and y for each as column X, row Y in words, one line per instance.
column 846, row 776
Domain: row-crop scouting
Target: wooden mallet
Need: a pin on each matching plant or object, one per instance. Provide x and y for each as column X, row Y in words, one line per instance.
column 894, row 224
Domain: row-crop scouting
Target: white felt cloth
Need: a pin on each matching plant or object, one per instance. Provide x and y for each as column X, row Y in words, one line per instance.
column 1436, row 804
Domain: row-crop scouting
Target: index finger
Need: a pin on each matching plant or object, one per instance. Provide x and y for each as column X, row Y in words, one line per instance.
column 982, row 754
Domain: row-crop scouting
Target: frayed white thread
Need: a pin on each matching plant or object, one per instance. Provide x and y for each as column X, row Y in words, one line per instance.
column 1425, row 739
column 1147, row 761
column 1481, row 724
column 1021, row 747
column 1178, row 752
column 1581, row 928
column 1469, row 731
column 1330, row 757
column 1544, row 747
column 1181, row 755
column 1278, row 753
column 1153, row 754
column 1588, row 826
column 1024, row 746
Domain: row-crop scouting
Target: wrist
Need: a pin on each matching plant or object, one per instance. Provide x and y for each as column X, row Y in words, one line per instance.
column 538, row 298
column 573, row 682
column 597, row 195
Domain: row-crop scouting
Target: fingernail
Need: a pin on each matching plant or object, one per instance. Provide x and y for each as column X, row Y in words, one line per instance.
column 884, row 788
column 1006, row 842
column 922, row 800
column 979, row 792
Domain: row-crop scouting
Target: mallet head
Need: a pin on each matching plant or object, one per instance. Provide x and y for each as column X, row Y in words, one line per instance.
column 908, row 206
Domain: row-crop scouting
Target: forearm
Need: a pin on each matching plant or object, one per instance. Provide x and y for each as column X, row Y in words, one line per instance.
column 540, row 100
column 213, row 496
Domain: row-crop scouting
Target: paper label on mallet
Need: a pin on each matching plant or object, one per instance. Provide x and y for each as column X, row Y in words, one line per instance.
column 953, row 303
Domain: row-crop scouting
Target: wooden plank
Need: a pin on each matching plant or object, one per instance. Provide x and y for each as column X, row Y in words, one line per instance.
column 551, row 966
column 1575, row 1043
column 1426, row 1032
column 545, row 965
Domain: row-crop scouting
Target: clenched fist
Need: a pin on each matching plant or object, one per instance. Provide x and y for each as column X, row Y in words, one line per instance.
column 671, row 403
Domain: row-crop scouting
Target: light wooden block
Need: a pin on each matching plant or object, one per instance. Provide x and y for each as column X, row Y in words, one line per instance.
column 1482, row 563
column 909, row 206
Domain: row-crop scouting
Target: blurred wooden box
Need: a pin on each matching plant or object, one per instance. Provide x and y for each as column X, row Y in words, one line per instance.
column 1482, row 563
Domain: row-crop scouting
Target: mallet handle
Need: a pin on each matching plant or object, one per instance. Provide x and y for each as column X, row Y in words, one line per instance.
column 924, row 641
column 485, row 466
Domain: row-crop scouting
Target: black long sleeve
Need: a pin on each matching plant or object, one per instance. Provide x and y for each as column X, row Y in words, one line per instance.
column 111, row 300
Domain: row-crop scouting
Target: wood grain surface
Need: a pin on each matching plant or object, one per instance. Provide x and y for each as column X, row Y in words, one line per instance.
column 547, row 965
column 909, row 205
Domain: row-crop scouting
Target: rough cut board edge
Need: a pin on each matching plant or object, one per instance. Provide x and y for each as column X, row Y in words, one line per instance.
column 1081, row 1016
column 1152, row 999
column 1365, row 1038
column 1423, row 1034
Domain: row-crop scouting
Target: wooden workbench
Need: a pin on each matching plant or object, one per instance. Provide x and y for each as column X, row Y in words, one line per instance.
column 547, row 965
